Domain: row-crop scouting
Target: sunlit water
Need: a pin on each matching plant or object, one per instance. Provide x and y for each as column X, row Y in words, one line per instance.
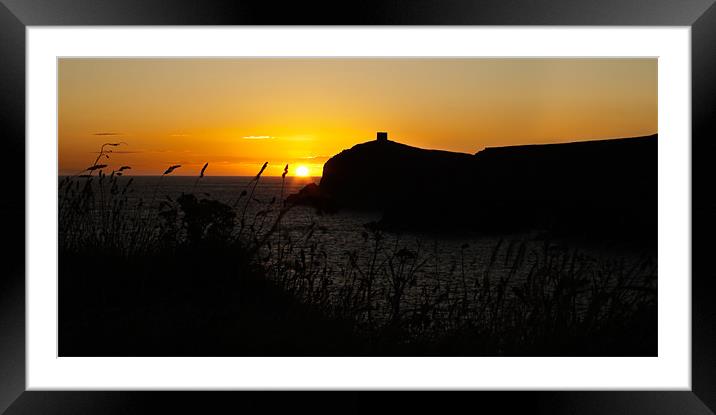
column 455, row 260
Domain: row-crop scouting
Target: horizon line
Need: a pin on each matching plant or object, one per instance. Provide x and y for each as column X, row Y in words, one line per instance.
column 196, row 176
column 573, row 141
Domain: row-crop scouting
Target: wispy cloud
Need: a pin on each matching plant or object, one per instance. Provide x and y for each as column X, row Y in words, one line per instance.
column 106, row 133
column 314, row 159
column 179, row 135
column 257, row 137
column 212, row 158
column 120, row 152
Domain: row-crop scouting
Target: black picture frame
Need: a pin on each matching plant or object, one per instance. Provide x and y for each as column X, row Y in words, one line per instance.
column 15, row 15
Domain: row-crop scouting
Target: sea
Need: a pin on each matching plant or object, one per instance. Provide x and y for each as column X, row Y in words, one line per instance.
column 340, row 233
column 344, row 238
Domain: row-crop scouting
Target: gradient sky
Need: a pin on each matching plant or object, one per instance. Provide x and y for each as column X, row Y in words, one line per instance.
column 238, row 113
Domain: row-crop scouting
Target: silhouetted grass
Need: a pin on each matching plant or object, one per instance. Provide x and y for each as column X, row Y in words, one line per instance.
column 191, row 276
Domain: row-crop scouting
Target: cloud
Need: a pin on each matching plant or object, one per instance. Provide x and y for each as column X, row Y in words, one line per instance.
column 257, row 137
column 314, row 158
column 106, row 133
column 120, row 152
column 239, row 159
column 260, row 160
column 179, row 135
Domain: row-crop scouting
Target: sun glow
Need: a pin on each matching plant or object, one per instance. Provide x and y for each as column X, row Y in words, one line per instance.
column 302, row 111
column 302, row 171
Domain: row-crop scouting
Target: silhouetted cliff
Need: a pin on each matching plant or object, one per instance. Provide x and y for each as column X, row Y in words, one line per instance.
column 382, row 175
column 604, row 188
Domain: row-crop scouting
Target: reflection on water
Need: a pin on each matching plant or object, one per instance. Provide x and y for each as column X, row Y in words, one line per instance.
column 344, row 231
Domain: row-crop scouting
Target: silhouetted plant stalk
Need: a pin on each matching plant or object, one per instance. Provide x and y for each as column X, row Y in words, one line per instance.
column 278, row 223
column 147, row 228
column 201, row 175
column 103, row 152
column 255, row 181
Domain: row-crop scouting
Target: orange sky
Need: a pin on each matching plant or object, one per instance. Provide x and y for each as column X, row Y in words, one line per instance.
column 238, row 113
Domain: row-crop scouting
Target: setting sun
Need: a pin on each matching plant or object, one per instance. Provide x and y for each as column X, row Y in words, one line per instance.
column 302, row 171
column 303, row 111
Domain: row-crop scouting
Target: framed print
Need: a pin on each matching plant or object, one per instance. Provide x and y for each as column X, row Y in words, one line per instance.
column 409, row 198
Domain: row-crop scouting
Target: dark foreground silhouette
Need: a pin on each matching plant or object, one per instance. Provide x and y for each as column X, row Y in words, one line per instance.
column 193, row 276
column 174, row 304
column 186, row 304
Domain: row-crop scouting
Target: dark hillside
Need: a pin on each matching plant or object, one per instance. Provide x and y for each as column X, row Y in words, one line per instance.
column 381, row 175
column 601, row 188
column 596, row 189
